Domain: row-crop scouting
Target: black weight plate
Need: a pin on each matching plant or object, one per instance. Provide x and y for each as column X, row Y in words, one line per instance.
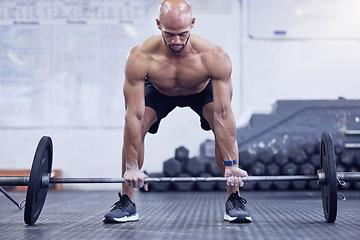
column 35, row 196
column 329, row 188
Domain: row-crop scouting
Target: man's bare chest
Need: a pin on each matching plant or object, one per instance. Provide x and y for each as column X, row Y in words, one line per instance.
column 188, row 74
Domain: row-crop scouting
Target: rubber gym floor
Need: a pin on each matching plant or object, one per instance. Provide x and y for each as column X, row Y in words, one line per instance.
column 183, row 215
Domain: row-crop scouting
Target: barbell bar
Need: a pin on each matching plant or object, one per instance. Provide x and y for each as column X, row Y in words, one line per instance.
column 46, row 179
column 39, row 180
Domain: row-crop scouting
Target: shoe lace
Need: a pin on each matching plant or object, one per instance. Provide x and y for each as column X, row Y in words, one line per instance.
column 238, row 202
column 119, row 204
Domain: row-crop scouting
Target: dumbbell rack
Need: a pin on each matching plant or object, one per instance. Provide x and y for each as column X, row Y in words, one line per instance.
column 352, row 145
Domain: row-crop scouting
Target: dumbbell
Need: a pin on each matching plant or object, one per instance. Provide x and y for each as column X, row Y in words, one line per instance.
column 264, row 156
column 205, row 186
column 347, row 159
column 298, row 157
column 194, row 167
column 158, row 186
column 184, row 186
column 172, row 167
column 280, row 158
column 246, row 159
column 289, row 169
column 181, row 153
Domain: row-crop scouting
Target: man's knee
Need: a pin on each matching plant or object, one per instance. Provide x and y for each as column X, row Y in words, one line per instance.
column 149, row 119
column 208, row 113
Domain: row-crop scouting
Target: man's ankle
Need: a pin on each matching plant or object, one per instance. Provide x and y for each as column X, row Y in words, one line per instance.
column 130, row 195
column 231, row 192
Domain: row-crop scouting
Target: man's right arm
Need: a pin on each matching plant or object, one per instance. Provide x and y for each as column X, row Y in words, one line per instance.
column 135, row 72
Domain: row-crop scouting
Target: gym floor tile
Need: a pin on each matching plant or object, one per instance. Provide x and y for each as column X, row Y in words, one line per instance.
column 183, row 215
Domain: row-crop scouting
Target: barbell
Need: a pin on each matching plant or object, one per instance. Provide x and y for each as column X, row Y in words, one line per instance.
column 39, row 180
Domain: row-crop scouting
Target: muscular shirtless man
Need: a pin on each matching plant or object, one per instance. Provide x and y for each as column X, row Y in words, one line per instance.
column 178, row 69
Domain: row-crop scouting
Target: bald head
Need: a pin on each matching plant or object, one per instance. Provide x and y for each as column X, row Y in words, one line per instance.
column 175, row 23
column 175, row 11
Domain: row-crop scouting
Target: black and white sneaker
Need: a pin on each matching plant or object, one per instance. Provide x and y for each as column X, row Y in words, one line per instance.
column 123, row 211
column 235, row 210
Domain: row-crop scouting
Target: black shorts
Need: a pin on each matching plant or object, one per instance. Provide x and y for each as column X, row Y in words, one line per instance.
column 163, row 104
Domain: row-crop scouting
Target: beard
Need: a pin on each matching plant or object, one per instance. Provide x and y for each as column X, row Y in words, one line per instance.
column 176, row 48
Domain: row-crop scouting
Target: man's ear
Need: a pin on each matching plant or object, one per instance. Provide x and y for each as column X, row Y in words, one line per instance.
column 193, row 22
column 158, row 23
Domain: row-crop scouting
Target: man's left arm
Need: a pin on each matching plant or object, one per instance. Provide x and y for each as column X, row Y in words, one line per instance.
column 219, row 65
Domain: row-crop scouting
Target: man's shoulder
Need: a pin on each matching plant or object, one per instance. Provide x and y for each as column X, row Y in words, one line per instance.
column 204, row 46
column 147, row 47
column 210, row 53
column 139, row 57
column 214, row 57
